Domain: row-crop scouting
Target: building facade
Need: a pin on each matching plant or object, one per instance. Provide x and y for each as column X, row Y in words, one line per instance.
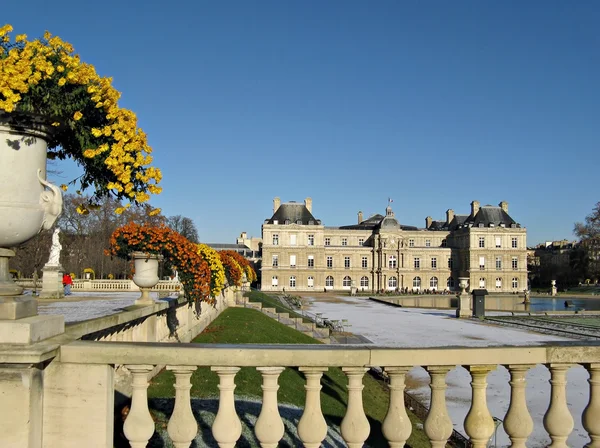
column 299, row 253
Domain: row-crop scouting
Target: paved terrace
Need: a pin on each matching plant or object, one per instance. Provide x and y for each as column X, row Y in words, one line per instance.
column 392, row 326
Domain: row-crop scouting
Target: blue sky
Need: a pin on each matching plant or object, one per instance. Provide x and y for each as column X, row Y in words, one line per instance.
column 433, row 104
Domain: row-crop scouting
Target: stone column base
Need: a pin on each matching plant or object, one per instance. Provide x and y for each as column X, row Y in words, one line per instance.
column 31, row 329
column 52, row 287
column 464, row 306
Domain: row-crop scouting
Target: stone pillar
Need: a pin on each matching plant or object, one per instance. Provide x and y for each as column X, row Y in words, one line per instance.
column 464, row 299
column 52, row 287
column 553, row 288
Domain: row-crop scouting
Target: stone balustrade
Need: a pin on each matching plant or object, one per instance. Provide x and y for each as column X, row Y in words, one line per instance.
column 85, row 285
column 90, row 411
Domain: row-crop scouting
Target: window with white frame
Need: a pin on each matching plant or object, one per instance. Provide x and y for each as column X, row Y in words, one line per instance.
column 392, row 262
column 329, row 281
column 361, row 241
column 498, row 263
column 275, row 259
column 482, row 283
column 411, row 243
column 498, row 282
column 347, row 282
column 364, row 281
column 427, row 243
column 292, row 261
column 450, row 282
column 392, row 282
column 433, row 283
column 513, row 242
column 365, row 262
column 275, row 239
column 417, row 263
column 292, row 281
column 482, row 263
column 515, row 283
column 311, row 261
column 274, row 281
column 417, row 282
column 450, row 263
column 311, row 240
column 329, row 262
column 515, row 263
column 347, row 262
column 310, row 282
column 498, row 241
column 344, row 241
column 293, row 239
column 481, row 241
column 433, row 263
column 327, row 241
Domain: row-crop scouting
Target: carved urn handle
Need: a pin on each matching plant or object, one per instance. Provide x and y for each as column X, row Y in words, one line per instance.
column 51, row 201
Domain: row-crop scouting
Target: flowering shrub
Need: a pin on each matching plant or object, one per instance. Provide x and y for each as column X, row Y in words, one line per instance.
column 237, row 264
column 233, row 270
column 177, row 252
column 217, row 278
column 44, row 81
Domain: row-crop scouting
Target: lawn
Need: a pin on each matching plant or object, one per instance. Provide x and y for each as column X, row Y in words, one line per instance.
column 242, row 325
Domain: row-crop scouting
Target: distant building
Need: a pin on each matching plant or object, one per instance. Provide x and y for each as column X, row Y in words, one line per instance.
column 378, row 253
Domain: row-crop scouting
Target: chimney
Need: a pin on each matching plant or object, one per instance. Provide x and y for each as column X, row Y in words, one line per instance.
column 474, row 208
column 308, row 204
column 428, row 221
column 449, row 215
column 504, row 206
column 276, row 204
column 360, row 217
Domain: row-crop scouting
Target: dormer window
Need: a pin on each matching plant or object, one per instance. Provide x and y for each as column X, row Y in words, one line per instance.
column 311, row 223
column 513, row 226
column 491, row 224
column 481, row 225
column 502, row 225
column 287, row 221
column 299, row 222
column 275, row 222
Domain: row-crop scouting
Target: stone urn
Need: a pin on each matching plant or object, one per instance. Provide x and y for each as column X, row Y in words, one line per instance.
column 146, row 275
column 28, row 203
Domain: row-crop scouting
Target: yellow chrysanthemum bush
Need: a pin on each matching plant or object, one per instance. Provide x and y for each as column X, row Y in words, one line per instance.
column 217, row 278
column 44, row 80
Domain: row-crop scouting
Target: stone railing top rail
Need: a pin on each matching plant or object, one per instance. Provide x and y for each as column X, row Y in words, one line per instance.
column 282, row 355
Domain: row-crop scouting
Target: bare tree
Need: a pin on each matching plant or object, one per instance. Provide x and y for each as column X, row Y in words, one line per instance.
column 184, row 226
column 589, row 234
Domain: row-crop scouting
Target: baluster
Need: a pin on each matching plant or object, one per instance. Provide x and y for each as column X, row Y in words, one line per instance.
column 591, row 415
column 269, row 426
column 438, row 425
column 396, row 425
column 479, row 424
column 355, row 426
column 227, row 427
column 517, row 422
column 312, row 428
column 182, row 427
column 558, row 420
column 139, row 426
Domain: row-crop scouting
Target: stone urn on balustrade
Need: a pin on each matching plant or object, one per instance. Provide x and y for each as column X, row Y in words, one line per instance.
column 146, row 275
column 28, row 204
column 464, row 300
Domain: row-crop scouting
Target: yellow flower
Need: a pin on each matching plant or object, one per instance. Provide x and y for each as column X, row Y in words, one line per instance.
column 60, row 69
column 62, row 82
column 82, row 210
column 119, row 210
column 96, row 132
column 77, row 116
column 56, row 124
column 89, row 153
column 64, row 187
column 155, row 212
column 20, row 37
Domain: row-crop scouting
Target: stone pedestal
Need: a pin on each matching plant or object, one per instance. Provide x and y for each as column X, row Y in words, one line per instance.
column 464, row 299
column 553, row 290
column 52, row 287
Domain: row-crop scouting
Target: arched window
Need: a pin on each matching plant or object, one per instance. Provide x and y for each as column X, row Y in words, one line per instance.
column 433, row 283
column 482, row 283
column 329, row 282
column 347, row 282
column 364, row 281
column 515, row 282
column 392, row 282
column 392, row 263
column 417, row 283
column 498, row 283
column 450, row 282
column 274, row 281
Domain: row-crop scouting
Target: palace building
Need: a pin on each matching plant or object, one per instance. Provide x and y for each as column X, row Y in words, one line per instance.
column 486, row 246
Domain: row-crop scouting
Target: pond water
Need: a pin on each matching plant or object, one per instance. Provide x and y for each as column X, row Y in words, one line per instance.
column 558, row 304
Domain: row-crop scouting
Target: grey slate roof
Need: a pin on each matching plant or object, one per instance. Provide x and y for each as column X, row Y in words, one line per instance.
column 374, row 222
column 491, row 215
column 438, row 225
column 295, row 213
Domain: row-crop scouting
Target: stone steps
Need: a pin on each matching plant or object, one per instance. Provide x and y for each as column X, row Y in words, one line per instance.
column 297, row 323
